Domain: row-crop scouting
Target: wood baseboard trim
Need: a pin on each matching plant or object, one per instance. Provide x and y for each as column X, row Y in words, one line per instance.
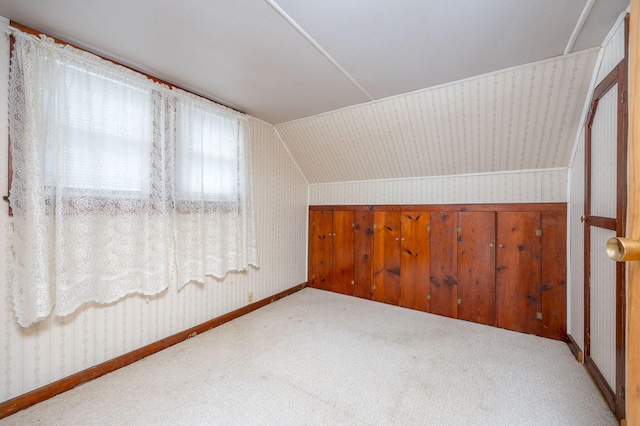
column 575, row 349
column 28, row 399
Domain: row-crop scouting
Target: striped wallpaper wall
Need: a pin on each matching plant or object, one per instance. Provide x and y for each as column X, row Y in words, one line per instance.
column 59, row 347
column 524, row 118
column 517, row 187
column 575, row 288
column 612, row 53
column 603, row 306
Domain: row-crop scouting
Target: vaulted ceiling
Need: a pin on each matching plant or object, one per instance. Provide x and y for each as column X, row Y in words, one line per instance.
column 366, row 89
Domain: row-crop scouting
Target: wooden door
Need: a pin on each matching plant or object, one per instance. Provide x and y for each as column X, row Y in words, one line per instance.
column 321, row 249
column 554, row 275
column 518, row 272
column 633, row 366
column 444, row 265
column 415, row 260
column 343, row 252
column 386, row 257
column 477, row 267
column 363, row 255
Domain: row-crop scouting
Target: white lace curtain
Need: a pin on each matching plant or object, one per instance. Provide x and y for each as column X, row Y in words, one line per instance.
column 120, row 185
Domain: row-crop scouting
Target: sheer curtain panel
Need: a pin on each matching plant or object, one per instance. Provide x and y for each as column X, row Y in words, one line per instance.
column 214, row 224
column 106, row 200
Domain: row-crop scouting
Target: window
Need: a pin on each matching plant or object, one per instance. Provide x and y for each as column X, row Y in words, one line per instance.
column 115, row 178
column 206, row 153
column 102, row 143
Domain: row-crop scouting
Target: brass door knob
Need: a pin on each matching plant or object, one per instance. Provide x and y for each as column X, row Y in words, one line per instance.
column 584, row 219
column 623, row 249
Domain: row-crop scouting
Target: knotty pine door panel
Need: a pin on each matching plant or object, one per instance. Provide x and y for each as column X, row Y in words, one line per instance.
column 518, row 276
column 441, row 261
column 386, row 257
column 363, row 258
column 321, row 249
column 476, row 267
column 554, row 275
column 343, row 252
column 331, row 251
column 415, row 260
column 444, row 264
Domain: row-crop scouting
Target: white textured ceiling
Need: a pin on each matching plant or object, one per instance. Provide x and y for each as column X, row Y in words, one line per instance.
column 281, row 60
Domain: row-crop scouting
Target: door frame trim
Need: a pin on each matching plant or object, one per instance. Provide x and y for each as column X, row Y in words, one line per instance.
column 618, row 75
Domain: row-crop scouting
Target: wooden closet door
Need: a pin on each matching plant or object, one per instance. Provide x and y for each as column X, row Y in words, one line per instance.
column 343, row 251
column 444, row 265
column 554, row 275
column 415, row 260
column 363, row 255
column 477, row 267
column 386, row 257
column 321, row 249
column 518, row 276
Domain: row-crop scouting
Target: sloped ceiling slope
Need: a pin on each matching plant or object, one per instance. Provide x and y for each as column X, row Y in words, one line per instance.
column 518, row 119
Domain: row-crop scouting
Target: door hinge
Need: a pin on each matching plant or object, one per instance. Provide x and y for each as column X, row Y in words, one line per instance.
column 623, row 97
column 459, row 228
column 428, row 297
column 621, row 391
column 353, row 282
column 459, row 301
column 538, row 232
column 374, row 226
column 429, row 228
column 539, row 315
column 353, row 225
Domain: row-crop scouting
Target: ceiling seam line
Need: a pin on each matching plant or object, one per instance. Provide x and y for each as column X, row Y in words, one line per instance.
column 317, row 46
column 578, row 28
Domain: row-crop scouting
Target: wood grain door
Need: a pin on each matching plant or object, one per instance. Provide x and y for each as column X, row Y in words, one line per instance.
column 554, row 275
column 444, row 264
column 518, row 272
column 415, row 260
column 386, row 257
column 321, row 249
column 343, row 252
column 363, row 255
column 477, row 267
column 633, row 231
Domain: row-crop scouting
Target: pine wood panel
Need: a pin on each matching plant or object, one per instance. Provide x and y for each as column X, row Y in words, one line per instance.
column 554, row 273
column 343, row 252
column 321, row 249
column 386, row 257
column 444, row 268
column 633, row 361
column 518, row 276
column 476, row 267
column 363, row 256
column 415, row 260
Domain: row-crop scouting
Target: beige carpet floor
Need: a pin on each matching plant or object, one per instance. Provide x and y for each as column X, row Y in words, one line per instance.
column 319, row 358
